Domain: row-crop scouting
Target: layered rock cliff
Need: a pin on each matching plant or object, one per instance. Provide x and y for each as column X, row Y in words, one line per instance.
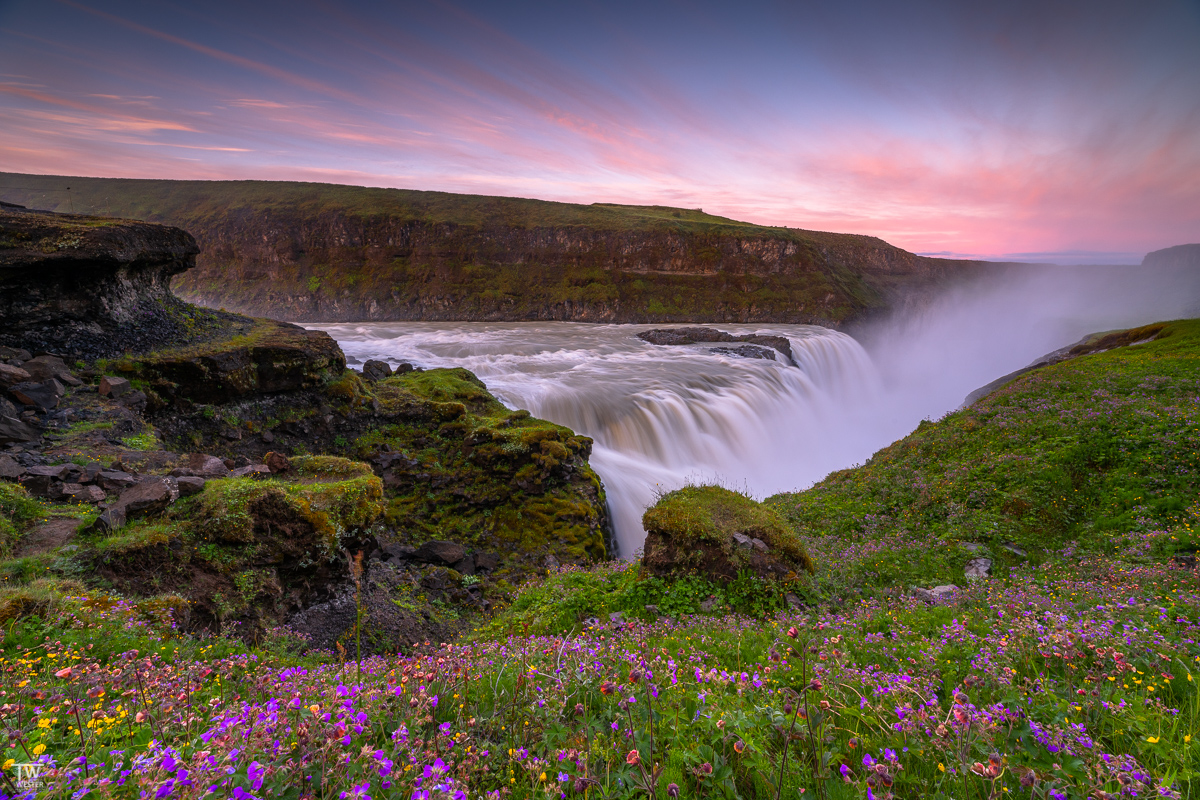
column 87, row 285
column 314, row 252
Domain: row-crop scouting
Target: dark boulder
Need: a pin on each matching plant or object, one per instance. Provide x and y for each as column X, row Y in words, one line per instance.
column 446, row 554
column 679, row 336
column 43, row 395
column 376, row 370
column 114, row 387
column 10, row 375
column 45, row 367
column 190, row 485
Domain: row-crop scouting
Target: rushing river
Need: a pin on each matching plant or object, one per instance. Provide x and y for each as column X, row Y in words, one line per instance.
column 664, row 415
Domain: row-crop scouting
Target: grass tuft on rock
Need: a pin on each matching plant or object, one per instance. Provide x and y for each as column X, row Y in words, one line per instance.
column 713, row 514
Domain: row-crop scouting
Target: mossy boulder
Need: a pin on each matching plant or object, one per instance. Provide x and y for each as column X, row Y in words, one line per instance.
column 247, row 550
column 719, row 533
column 255, row 357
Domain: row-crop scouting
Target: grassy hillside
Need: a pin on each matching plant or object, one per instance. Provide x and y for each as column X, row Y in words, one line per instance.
column 169, row 201
column 1098, row 453
column 1072, row 673
column 321, row 252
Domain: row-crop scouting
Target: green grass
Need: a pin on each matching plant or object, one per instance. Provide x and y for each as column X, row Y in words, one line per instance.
column 1099, row 451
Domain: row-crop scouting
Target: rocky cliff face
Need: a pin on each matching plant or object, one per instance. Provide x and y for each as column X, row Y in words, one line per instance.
column 86, row 286
column 1183, row 255
column 342, row 268
column 313, row 252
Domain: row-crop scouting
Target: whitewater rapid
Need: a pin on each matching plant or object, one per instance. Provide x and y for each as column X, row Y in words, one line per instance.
column 662, row 416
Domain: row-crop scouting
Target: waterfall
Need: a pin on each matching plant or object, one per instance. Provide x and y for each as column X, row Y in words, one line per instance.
column 662, row 416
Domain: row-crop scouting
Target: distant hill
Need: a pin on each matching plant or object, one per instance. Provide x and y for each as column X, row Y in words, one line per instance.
column 325, row 252
column 1182, row 255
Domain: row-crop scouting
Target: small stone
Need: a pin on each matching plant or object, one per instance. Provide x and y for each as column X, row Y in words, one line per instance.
column 134, row 401
column 115, row 480
column 47, row 366
column 742, row 540
column 651, row 609
column 978, row 568
column 190, row 485
column 109, row 520
column 376, row 370
column 10, row 468
column 114, row 387
column 82, row 494
column 944, row 593
column 708, row 605
column 10, row 375
column 278, row 463
column 268, row 437
column 466, row 566
column 207, row 466
column 971, row 547
column 616, row 618
column 403, row 367
column 486, row 562
column 794, row 602
column 440, row 552
column 759, row 545
column 398, row 552
column 15, row 354
column 42, row 486
column 550, row 562
column 1016, row 551
column 252, row 471
column 44, row 395
column 55, row 471
column 148, row 497
column 13, row 430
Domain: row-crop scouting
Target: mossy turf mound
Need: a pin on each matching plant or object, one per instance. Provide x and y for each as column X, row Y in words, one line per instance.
column 719, row 533
column 245, row 550
column 1096, row 453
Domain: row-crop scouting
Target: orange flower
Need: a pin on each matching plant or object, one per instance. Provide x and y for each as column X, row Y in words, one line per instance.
column 66, row 673
column 739, row 746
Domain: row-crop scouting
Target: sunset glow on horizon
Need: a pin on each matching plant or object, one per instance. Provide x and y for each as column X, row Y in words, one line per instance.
column 1039, row 131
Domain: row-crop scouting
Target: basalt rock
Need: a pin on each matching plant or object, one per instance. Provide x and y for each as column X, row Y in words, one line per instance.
column 88, row 286
column 678, row 336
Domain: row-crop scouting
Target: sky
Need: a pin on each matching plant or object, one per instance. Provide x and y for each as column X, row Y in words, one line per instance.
column 1055, row 131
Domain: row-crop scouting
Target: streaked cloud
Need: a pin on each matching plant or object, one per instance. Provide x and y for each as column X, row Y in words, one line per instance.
column 1013, row 128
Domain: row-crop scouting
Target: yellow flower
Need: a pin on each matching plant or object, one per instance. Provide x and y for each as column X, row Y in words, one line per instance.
column 39, row 749
column 1152, row 739
column 8, row 764
column 1187, row 738
column 941, row 767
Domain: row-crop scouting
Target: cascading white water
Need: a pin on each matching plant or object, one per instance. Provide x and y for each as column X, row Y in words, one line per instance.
column 661, row 415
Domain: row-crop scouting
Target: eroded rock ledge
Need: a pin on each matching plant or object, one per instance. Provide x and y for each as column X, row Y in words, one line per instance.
column 90, row 287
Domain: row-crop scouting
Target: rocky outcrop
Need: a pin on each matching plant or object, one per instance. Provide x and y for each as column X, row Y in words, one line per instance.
column 316, row 252
column 1183, row 255
column 261, row 357
column 677, row 336
column 87, row 286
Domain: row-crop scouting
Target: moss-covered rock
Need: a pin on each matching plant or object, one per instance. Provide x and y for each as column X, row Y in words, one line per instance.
column 256, row 356
column 719, row 533
column 249, row 551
